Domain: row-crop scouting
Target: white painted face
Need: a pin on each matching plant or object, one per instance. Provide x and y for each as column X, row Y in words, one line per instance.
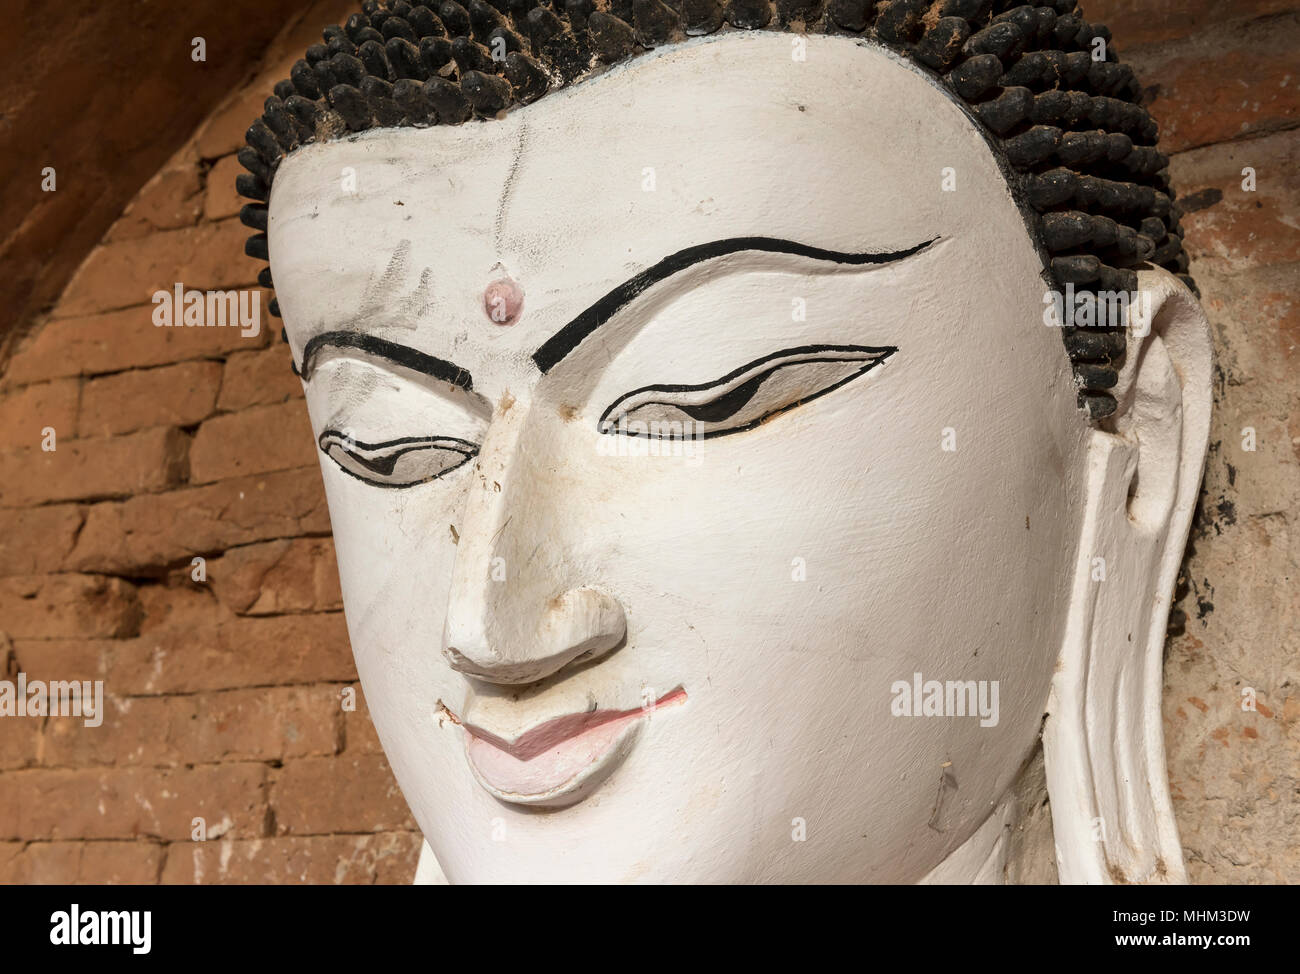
column 589, row 663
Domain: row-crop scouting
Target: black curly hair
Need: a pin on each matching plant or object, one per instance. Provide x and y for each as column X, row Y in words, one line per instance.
column 1065, row 115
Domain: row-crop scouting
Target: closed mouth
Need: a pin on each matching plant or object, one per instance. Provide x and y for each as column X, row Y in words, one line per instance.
column 561, row 760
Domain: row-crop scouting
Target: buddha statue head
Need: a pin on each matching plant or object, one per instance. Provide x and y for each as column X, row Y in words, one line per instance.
column 748, row 429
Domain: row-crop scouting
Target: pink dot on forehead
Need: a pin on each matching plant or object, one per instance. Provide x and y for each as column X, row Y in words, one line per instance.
column 503, row 300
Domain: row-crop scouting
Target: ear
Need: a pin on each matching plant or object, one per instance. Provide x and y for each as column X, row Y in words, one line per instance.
column 1103, row 738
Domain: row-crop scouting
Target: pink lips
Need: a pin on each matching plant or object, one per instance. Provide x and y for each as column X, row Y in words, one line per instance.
column 556, row 758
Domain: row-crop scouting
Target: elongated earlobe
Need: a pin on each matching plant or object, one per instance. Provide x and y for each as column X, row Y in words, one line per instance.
column 1103, row 739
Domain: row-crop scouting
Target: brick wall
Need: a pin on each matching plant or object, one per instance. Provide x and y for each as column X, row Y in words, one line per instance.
column 1224, row 82
column 224, row 696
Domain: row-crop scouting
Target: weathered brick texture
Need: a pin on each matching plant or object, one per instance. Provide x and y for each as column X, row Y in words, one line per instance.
column 1235, row 80
column 173, row 395
column 1223, row 84
column 223, row 696
column 141, row 534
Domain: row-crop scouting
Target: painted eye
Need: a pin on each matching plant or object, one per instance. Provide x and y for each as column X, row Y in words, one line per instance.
column 397, row 463
column 741, row 399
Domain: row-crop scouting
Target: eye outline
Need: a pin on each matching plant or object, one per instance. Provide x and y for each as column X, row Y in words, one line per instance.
column 878, row 355
column 335, row 437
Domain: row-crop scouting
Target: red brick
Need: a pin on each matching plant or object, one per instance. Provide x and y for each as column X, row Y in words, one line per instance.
column 236, row 652
column 134, row 863
column 21, row 744
column 68, row 607
column 68, row 741
column 38, row 541
column 149, row 532
column 259, row 378
column 223, row 132
column 66, row 863
column 9, row 857
column 135, row 731
column 42, row 863
column 65, row 659
column 25, row 412
column 120, row 340
column 126, row 273
column 174, row 395
column 386, row 858
column 254, row 441
column 128, row 803
column 27, row 741
column 345, row 794
column 1263, row 306
column 262, row 724
column 84, row 469
column 296, row 37
column 179, row 602
column 1136, row 22
column 219, row 198
column 277, row 577
column 1251, row 88
column 359, row 736
column 1242, row 228
column 171, row 200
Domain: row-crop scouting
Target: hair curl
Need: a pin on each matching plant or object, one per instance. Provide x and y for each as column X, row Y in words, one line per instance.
column 1066, row 116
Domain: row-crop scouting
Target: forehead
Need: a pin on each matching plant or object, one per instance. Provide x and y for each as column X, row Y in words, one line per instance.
column 846, row 149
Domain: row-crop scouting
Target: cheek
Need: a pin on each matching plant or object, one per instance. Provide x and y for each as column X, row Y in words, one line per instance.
column 395, row 553
column 842, row 546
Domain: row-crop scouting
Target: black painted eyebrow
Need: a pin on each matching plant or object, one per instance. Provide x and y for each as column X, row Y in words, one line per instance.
column 403, row 355
column 564, row 341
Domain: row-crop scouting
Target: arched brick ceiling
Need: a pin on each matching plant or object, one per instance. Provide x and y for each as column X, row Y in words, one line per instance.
column 104, row 93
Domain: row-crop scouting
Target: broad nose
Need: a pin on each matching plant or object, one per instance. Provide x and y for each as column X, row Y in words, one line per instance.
column 519, row 607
